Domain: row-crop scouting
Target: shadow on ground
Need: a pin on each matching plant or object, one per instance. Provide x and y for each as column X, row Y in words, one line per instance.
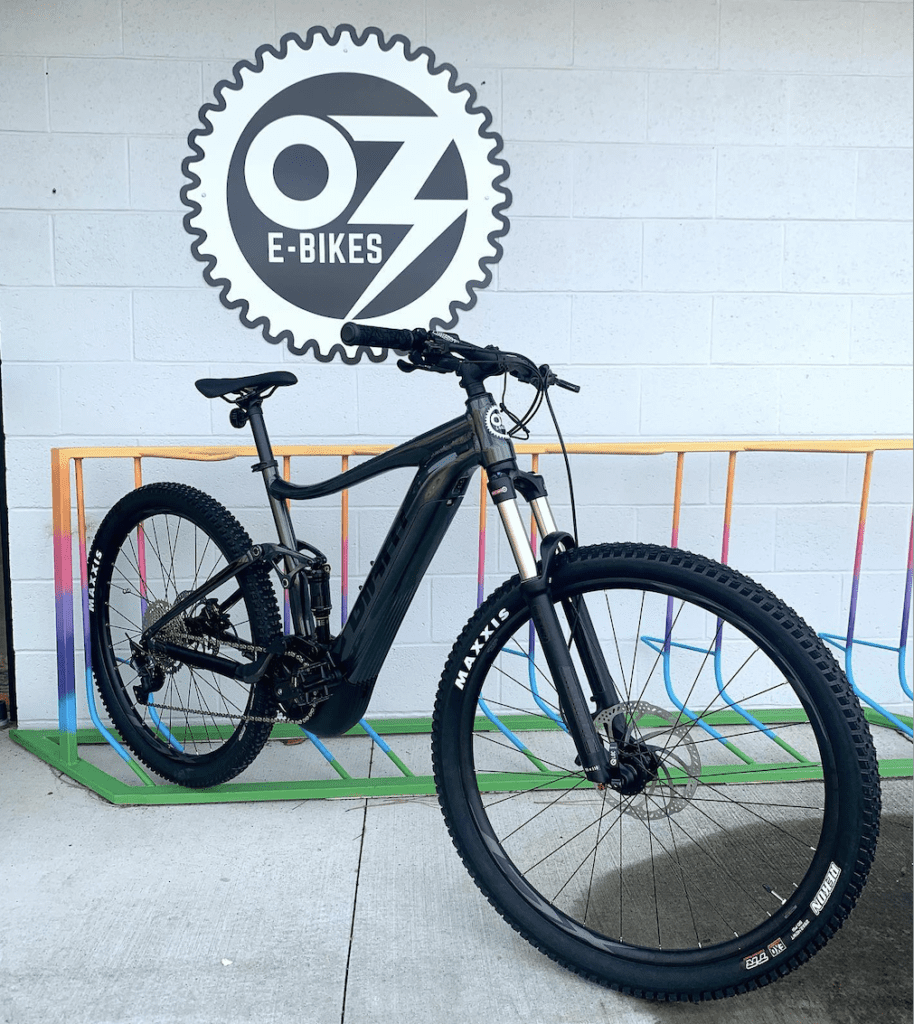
column 863, row 974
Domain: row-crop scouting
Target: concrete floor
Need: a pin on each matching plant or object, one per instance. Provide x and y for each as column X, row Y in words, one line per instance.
column 338, row 912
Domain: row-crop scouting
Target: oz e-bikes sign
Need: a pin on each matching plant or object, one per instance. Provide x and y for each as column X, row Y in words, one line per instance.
column 345, row 177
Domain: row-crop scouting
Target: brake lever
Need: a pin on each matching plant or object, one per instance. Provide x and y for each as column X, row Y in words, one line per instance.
column 431, row 367
column 550, row 378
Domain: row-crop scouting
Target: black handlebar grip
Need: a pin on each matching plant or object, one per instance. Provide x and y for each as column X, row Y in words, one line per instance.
column 377, row 337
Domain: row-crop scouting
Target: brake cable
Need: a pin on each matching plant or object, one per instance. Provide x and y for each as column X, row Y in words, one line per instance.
column 558, row 431
column 520, row 424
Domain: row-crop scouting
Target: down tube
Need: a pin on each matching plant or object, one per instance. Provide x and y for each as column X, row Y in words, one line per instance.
column 416, row 534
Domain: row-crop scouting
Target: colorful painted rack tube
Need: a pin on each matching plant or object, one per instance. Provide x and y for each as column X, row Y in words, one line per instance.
column 60, row 746
column 848, row 641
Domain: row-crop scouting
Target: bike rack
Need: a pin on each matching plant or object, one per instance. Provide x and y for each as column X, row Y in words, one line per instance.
column 60, row 747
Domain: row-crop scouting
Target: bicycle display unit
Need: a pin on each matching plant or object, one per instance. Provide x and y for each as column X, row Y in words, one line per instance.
column 602, row 724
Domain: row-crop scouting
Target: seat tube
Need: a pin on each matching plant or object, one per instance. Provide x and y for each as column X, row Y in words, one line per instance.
column 269, row 468
column 299, row 598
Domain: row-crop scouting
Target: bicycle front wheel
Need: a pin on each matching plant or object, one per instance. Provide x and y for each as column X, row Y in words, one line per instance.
column 742, row 827
column 191, row 726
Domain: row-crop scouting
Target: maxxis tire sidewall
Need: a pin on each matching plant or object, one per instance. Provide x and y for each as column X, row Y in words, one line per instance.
column 833, row 704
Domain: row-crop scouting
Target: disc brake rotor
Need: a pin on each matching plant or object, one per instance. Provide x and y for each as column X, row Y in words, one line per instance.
column 660, row 738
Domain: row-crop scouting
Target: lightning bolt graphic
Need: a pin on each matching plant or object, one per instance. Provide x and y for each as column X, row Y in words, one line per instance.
column 392, row 199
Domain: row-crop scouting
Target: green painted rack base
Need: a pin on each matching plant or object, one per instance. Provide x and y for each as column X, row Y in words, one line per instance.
column 61, row 751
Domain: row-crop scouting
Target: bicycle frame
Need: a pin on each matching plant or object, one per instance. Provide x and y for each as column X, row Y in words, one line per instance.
column 445, row 459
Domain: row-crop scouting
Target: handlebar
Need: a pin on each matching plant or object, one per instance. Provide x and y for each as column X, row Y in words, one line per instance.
column 446, row 353
column 381, row 337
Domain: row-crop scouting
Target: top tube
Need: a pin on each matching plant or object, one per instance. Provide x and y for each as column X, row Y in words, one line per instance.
column 453, row 437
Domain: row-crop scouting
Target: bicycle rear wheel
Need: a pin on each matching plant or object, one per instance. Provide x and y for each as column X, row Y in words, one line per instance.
column 191, row 726
column 748, row 820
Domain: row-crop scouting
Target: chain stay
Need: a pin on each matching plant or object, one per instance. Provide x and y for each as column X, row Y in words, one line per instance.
column 245, row 648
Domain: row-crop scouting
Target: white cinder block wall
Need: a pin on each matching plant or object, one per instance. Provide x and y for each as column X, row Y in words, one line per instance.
column 711, row 231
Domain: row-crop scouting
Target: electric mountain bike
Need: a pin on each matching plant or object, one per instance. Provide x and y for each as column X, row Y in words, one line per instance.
column 602, row 735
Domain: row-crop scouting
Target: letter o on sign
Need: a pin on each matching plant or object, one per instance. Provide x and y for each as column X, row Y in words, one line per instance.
column 300, row 130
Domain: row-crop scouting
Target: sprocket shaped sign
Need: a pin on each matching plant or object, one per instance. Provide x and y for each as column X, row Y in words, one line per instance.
column 345, row 177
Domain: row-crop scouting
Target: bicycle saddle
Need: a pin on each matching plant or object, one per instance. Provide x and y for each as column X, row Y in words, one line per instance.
column 219, row 387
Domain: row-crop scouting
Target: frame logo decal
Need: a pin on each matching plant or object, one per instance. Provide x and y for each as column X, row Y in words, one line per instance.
column 495, row 423
column 345, row 177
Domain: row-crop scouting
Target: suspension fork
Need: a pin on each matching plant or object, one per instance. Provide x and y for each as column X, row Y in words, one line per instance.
column 599, row 764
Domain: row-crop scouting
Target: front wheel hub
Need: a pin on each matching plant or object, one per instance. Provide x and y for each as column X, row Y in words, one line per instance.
column 659, row 765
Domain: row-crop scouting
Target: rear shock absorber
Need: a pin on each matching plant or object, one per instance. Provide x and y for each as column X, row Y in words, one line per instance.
column 318, row 574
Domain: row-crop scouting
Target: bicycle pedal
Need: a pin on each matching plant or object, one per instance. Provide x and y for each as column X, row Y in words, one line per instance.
column 306, row 689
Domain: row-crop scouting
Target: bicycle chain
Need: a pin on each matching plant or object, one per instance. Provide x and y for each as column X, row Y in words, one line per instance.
column 228, row 714
column 240, row 645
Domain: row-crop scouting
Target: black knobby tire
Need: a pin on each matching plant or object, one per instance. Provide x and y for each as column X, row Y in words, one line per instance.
column 156, row 543
column 708, row 881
